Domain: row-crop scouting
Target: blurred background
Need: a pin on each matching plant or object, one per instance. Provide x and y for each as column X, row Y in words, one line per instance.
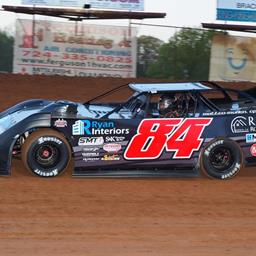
column 174, row 47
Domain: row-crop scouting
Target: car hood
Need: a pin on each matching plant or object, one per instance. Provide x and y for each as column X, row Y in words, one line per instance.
column 19, row 112
column 29, row 105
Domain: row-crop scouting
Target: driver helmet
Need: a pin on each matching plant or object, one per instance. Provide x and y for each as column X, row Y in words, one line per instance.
column 166, row 103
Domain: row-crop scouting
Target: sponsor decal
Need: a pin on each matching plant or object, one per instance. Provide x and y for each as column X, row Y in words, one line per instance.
column 239, row 124
column 90, row 149
column 91, row 159
column 91, row 154
column 90, row 141
column 178, row 135
column 242, row 124
column 253, row 150
column 88, row 127
column 60, row 123
column 110, row 158
column 250, row 138
column 78, row 128
column 114, row 139
column 112, row 148
column 52, row 139
column 222, row 113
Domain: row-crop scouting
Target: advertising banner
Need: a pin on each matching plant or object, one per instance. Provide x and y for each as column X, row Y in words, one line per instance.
column 63, row 3
column 233, row 58
column 133, row 5
column 236, row 10
column 70, row 49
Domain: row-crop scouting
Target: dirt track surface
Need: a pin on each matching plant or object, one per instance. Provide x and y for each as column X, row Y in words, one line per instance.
column 108, row 217
column 70, row 216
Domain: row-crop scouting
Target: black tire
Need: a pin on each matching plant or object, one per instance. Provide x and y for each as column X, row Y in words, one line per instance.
column 221, row 159
column 46, row 153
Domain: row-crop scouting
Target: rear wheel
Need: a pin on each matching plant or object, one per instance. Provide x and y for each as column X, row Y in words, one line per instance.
column 222, row 159
column 46, row 153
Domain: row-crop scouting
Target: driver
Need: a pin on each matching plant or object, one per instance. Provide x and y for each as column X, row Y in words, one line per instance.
column 170, row 105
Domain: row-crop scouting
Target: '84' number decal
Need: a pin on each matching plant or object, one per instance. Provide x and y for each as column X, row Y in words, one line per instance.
column 178, row 135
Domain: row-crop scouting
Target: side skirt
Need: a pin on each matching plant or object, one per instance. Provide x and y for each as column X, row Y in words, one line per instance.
column 136, row 173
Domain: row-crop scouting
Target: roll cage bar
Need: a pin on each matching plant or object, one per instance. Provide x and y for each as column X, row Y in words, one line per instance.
column 225, row 91
column 130, row 100
column 106, row 93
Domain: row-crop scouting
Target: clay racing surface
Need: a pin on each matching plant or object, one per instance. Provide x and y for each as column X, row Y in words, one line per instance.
column 108, row 217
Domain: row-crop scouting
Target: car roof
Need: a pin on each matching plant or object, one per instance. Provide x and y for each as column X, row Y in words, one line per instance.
column 168, row 87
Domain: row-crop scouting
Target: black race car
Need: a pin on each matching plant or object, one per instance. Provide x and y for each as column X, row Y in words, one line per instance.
column 162, row 130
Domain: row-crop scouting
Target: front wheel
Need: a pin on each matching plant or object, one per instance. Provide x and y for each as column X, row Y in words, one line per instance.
column 221, row 159
column 46, row 153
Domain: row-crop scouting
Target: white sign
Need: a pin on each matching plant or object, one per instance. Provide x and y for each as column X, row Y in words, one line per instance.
column 236, row 10
column 133, row 5
column 237, row 4
column 233, row 58
column 62, row 48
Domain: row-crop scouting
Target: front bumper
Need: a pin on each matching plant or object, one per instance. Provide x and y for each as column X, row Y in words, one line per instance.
column 9, row 137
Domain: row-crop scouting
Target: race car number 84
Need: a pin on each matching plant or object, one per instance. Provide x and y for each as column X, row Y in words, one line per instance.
column 178, row 135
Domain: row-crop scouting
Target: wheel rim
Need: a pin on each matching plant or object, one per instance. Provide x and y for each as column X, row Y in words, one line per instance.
column 47, row 155
column 221, row 159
